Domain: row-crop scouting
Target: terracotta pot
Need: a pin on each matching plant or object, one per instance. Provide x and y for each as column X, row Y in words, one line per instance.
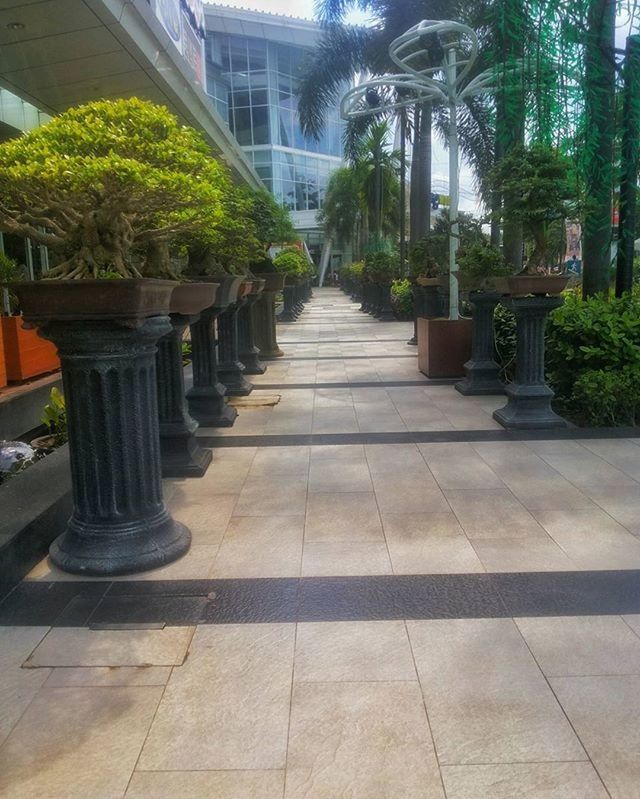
column 191, row 298
column 3, row 368
column 245, row 288
column 25, row 353
column 523, row 285
column 69, row 300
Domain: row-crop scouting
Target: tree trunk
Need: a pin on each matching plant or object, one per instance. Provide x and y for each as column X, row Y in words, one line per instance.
column 600, row 86
column 420, row 197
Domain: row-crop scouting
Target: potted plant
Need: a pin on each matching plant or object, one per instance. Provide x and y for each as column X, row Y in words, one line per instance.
column 54, row 418
column 23, row 353
column 98, row 185
column 264, row 310
column 482, row 267
column 291, row 263
column 538, row 193
column 381, row 269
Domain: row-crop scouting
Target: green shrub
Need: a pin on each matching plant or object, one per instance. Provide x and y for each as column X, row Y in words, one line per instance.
column 381, row 267
column 480, row 261
column 429, row 257
column 54, row 416
column 607, row 398
column 292, row 263
column 402, row 299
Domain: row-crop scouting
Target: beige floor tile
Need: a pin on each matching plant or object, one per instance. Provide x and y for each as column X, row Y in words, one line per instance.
column 524, row 781
column 228, row 706
column 206, row 785
column 260, row 547
column 548, row 493
column 326, row 476
column 418, row 526
column 604, row 711
column 430, row 553
column 634, row 622
column 280, row 460
column 77, row 743
column 353, row 652
column 620, row 453
column 103, row 676
column 592, row 539
column 486, row 698
column 522, row 555
column 346, row 559
column 17, row 686
column 409, row 494
column 581, row 466
column 459, row 466
column 360, row 740
column 582, row 646
column 386, row 458
column 207, row 519
column 342, row 517
column 194, row 565
column 78, row 646
column 280, row 495
column 331, row 420
column 352, row 453
column 493, row 513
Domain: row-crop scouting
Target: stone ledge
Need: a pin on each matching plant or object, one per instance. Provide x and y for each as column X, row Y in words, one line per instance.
column 35, row 508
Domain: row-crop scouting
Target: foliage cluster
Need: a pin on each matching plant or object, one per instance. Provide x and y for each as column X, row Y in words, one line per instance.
column 54, row 417
column 292, row 262
column 381, row 267
column 402, row 299
column 480, row 261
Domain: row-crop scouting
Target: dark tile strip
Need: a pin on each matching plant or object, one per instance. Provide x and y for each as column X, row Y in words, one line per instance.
column 344, row 341
column 425, row 383
column 434, row 596
column 416, row 437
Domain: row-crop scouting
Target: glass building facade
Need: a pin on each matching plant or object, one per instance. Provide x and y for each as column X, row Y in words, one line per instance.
column 253, row 83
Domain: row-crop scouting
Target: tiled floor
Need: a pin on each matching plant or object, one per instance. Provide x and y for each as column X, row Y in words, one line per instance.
column 456, row 698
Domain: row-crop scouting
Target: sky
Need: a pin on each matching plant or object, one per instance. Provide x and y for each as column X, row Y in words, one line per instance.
column 293, row 8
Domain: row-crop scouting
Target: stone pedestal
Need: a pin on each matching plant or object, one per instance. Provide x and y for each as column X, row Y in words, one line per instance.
column 206, row 399
column 288, row 312
column 386, row 311
column 181, row 455
column 365, row 297
column 249, row 354
column 481, row 370
column 264, row 321
column 120, row 523
column 230, row 369
column 529, row 405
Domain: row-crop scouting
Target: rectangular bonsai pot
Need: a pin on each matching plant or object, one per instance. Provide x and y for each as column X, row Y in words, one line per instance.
column 444, row 346
column 73, row 300
column 25, row 353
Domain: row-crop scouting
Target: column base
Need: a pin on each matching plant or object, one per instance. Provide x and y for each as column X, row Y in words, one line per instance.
column 529, row 408
column 104, row 550
column 208, row 406
column 234, row 380
column 271, row 355
column 252, row 363
column 481, row 380
column 182, row 456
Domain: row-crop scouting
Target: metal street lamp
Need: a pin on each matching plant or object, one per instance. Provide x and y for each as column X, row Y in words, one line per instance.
column 420, row 81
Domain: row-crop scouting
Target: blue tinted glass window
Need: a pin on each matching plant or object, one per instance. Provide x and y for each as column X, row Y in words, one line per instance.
column 242, row 125
column 260, row 118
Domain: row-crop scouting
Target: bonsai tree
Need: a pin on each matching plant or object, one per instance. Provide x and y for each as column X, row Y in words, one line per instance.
column 272, row 221
column 292, row 263
column 536, row 184
column 481, row 261
column 105, row 179
column 429, row 256
column 381, row 267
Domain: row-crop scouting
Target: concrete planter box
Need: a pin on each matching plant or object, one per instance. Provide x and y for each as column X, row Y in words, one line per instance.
column 444, row 346
column 36, row 506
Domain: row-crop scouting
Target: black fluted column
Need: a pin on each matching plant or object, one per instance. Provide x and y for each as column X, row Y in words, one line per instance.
column 264, row 321
column 386, row 311
column 288, row 312
column 120, row 523
column 207, row 398
column 481, row 371
column 181, row 455
column 230, row 369
column 249, row 354
column 529, row 405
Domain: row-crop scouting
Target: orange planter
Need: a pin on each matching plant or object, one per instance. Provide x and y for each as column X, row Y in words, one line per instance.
column 25, row 353
column 3, row 368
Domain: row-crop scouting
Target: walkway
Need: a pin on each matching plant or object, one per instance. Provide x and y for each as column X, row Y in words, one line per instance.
column 387, row 597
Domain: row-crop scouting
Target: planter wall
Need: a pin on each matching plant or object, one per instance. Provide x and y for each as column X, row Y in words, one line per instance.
column 25, row 353
column 444, row 346
column 3, row 368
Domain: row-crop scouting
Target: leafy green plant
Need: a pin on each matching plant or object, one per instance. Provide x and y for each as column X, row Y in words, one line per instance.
column 381, row 267
column 480, row 261
column 54, row 416
column 9, row 273
column 429, row 256
column 187, row 351
column 105, row 180
column 402, row 299
column 292, row 263
column 607, row 398
column 535, row 183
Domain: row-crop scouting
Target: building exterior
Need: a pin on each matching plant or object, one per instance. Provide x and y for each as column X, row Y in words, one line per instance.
column 254, row 62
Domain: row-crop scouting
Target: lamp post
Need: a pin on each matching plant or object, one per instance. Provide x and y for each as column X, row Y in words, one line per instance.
column 419, row 82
